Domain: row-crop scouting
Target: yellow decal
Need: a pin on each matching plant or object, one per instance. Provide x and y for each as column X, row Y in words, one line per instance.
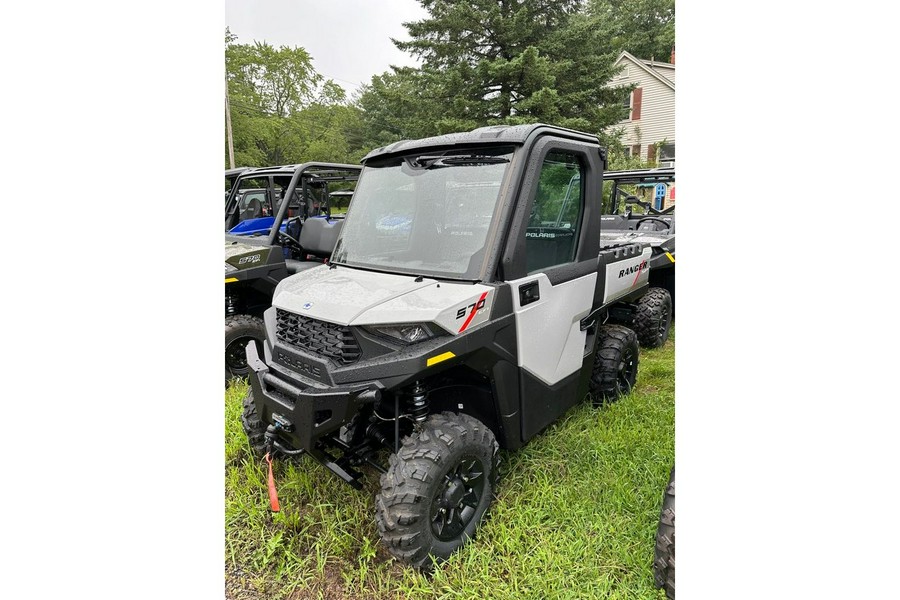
column 439, row 358
column 231, row 280
column 672, row 258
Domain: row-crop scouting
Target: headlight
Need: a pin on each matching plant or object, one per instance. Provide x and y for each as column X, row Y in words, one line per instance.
column 229, row 268
column 409, row 334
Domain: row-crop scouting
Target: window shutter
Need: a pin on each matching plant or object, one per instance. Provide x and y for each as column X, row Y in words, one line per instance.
column 651, row 152
column 636, row 104
column 636, row 150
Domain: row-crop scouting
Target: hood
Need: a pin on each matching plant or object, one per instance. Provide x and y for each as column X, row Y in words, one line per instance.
column 348, row 296
column 244, row 256
column 339, row 295
column 233, row 249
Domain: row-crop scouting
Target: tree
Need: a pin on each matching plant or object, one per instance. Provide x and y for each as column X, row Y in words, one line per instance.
column 496, row 61
column 644, row 28
column 283, row 111
column 400, row 105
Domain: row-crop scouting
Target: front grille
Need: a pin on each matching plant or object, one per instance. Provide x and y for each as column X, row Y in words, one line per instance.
column 317, row 337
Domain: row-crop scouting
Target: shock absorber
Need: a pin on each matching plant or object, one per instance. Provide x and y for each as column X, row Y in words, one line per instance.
column 417, row 405
column 230, row 305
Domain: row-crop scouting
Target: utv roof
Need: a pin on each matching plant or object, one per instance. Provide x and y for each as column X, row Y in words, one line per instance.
column 236, row 171
column 495, row 134
column 313, row 168
column 665, row 174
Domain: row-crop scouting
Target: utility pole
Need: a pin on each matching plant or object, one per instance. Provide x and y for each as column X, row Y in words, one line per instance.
column 228, row 125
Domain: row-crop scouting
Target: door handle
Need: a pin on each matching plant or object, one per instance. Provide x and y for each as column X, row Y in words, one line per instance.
column 529, row 292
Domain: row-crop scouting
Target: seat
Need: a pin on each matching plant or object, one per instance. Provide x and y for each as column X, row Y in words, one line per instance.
column 253, row 210
column 317, row 238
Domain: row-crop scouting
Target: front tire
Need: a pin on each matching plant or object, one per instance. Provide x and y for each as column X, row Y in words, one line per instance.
column 253, row 425
column 664, row 559
column 437, row 489
column 239, row 331
column 653, row 318
column 615, row 364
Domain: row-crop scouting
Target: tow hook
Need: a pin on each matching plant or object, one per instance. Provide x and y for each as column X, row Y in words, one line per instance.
column 271, row 432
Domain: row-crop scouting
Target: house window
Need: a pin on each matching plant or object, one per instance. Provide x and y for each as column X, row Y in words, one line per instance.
column 667, row 152
column 626, row 152
column 626, row 104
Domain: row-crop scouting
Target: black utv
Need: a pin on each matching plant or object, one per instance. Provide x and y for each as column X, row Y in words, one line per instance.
column 267, row 239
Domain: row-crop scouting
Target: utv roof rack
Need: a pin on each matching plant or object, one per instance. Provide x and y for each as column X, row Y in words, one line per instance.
column 494, row 134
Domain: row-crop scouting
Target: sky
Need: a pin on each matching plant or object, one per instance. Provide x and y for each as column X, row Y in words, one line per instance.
column 349, row 40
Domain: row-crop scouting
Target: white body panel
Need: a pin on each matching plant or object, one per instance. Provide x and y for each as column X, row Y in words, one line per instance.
column 354, row 297
column 625, row 275
column 550, row 340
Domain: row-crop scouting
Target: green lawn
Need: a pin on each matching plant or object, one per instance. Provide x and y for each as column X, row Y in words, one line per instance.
column 575, row 515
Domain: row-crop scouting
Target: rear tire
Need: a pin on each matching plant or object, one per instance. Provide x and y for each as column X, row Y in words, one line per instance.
column 615, row 364
column 437, row 489
column 253, row 425
column 239, row 331
column 653, row 318
column 664, row 559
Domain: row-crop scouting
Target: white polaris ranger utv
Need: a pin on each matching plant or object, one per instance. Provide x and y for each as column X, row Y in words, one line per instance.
column 464, row 310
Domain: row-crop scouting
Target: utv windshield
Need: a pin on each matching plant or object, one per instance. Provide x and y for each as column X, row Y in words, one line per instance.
column 426, row 214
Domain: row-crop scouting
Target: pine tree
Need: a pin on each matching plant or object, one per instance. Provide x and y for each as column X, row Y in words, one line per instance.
column 497, row 61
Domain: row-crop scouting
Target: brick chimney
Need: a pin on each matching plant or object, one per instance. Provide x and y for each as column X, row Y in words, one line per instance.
column 672, row 58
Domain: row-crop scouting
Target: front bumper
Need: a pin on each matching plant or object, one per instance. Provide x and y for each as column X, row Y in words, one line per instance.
column 304, row 411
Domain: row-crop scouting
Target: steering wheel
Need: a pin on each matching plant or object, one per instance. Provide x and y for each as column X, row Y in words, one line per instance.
column 639, row 221
column 285, row 236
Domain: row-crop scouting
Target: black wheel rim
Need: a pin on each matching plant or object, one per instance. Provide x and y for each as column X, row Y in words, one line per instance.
column 627, row 371
column 457, row 498
column 236, row 354
column 663, row 324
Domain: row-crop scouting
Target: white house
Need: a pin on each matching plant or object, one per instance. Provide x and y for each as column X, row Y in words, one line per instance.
column 651, row 118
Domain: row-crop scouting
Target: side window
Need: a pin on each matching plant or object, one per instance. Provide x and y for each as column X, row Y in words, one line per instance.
column 555, row 221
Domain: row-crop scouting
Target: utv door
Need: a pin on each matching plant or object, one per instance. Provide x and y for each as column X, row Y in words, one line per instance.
column 551, row 267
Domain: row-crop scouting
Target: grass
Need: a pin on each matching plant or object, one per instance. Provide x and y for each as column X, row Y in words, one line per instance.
column 575, row 515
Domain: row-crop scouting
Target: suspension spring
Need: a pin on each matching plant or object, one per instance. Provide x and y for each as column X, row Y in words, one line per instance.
column 230, row 305
column 417, row 406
